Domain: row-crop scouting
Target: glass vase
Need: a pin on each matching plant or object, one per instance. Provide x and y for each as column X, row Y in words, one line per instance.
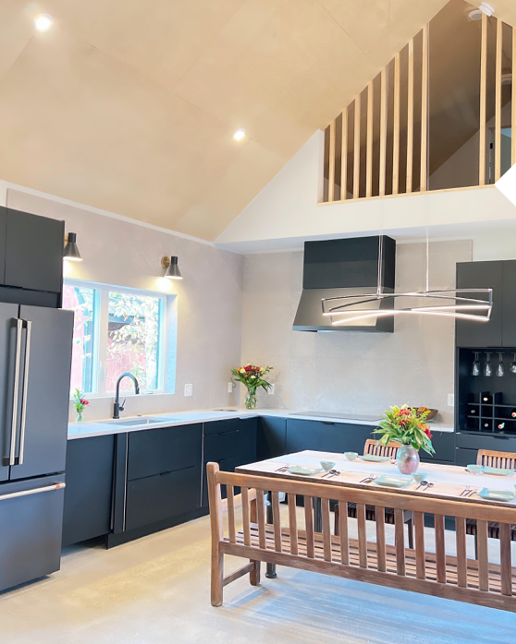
column 407, row 459
column 250, row 399
column 80, row 417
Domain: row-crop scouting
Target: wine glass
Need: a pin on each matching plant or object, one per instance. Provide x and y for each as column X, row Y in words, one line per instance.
column 500, row 369
column 513, row 364
column 475, row 371
column 488, row 369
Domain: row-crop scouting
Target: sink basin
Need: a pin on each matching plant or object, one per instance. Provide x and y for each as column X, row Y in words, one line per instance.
column 131, row 422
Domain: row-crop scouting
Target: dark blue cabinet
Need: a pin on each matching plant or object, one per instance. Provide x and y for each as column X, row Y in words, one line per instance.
column 272, row 437
column 325, row 436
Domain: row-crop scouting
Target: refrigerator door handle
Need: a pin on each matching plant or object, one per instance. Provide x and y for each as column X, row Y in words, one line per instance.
column 16, row 390
column 38, row 490
column 23, row 422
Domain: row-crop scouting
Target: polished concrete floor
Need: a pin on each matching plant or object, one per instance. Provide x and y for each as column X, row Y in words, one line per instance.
column 156, row 591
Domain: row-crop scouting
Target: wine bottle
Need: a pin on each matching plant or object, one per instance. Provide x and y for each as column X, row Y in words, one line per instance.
column 513, row 413
column 501, row 425
column 486, row 425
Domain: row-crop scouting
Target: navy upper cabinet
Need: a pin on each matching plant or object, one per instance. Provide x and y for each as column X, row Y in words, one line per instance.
column 500, row 331
column 31, row 248
column 482, row 275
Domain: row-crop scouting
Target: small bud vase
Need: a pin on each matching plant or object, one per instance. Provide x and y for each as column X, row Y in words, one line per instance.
column 407, row 459
column 250, row 400
column 80, row 417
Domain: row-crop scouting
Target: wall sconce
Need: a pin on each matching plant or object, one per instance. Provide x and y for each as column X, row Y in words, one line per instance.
column 71, row 250
column 172, row 271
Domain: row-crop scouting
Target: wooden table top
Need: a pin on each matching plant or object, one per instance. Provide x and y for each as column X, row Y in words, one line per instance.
column 449, row 480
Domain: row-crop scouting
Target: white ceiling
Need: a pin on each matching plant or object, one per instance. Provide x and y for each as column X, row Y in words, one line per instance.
column 130, row 105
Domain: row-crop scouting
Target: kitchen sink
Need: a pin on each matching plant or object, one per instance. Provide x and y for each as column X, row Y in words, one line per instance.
column 131, row 422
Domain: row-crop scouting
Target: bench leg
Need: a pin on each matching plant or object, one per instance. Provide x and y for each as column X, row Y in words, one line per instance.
column 217, row 577
column 254, row 575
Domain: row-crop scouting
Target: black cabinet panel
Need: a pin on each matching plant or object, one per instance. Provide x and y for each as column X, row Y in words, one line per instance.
column 47, row 392
column 221, row 426
column 248, row 441
column 509, row 304
column 465, row 457
column 156, row 451
column 272, row 437
column 219, row 446
column 481, row 275
column 3, row 225
column 33, row 252
column 444, row 445
column 497, row 443
column 163, row 496
column 326, row 437
column 89, row 488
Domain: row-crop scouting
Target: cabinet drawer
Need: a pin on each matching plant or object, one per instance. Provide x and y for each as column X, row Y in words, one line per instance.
column 163, row 496
column 156, row 451
column 222, row 426
column 221, row 446
column 498, row 443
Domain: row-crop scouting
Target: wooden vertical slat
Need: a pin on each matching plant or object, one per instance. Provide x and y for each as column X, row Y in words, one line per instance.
column 356, row 147
column 325, row 506
column 245, row 516
column 410, row 116
column 276, row 519
column 309, row 526
column 483, row 559
column 396, row 127
column 369, row 146
column 260, row 508
column 483, row 100
column 399, row 538
column 380, row 538
column 231, row 514
column 331, row 164
column 343, row 532
column 424, row 112
column 292, row 521
column 498, row 102
column 419, row 527
column 362, row 536
column 440, row 548
column 344, row 156
column 383, row 130
column 513, row 99
column 505, row 558
column 460, row 534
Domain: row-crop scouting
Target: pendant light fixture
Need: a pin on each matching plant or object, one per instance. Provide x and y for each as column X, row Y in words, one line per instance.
column 172, row 271
column 71, row 250
column 473, row 304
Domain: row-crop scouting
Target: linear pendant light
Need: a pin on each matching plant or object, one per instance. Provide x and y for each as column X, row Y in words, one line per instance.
column 472, row 304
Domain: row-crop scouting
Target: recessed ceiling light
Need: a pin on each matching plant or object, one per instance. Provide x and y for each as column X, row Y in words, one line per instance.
column 474, row 15
column 239, row 134
column 43, row 22
column 486, row 8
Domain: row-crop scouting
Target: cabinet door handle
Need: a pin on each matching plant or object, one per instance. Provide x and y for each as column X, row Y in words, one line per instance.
column 16, row 391
column 39, row 490
column 28, row 338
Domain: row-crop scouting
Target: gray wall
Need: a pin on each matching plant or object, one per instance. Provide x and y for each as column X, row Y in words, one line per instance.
column 351, row 371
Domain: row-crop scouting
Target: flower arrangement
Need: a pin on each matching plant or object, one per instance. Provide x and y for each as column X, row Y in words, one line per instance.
column 253, row 378
column 80, row 404
column 406, row 426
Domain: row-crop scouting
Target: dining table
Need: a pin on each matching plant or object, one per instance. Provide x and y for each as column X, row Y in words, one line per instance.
column 442, row 481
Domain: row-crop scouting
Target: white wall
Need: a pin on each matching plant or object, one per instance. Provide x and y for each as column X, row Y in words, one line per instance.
column 351, row 371
column 209, row 298
column 286, row 212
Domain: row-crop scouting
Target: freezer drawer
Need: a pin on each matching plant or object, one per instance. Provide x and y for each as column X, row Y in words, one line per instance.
column 32, row 524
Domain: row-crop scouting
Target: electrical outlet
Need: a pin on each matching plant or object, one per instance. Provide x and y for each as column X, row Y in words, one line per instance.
column 188, row 390
column 230, row 387
column 271, row 390
column 451, row 400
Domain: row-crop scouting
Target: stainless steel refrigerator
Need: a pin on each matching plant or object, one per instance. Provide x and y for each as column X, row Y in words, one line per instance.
column 35, row 358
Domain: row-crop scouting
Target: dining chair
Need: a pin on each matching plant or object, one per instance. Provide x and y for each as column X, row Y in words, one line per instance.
column 371, row 446
column 502, row 460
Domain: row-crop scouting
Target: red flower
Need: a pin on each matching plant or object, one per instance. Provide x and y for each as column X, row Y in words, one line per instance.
column 248, row 367
column 83, row 401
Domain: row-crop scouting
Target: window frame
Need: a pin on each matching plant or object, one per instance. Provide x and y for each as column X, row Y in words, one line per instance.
column 100, row 335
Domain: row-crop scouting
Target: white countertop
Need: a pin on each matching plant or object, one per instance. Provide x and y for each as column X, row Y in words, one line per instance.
column 110, row 426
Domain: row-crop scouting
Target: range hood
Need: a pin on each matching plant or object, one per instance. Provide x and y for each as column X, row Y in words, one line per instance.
column 345, row 267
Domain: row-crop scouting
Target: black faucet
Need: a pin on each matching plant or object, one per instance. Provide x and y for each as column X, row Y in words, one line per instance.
column 117, row 407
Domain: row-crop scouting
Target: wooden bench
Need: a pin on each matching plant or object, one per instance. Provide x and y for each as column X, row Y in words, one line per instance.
column 416, row 569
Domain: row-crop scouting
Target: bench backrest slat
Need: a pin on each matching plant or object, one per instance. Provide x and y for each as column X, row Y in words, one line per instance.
column 292, row 522
column 343, row 532
column 309, row 526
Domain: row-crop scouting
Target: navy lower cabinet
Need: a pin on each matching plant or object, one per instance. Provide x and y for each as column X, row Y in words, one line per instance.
column 272, row 437
column 89, row 488
column 444, row 445
column 229, row 443
column 325, row 436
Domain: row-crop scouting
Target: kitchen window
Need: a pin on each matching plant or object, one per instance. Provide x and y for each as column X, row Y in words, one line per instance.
column 116, row 330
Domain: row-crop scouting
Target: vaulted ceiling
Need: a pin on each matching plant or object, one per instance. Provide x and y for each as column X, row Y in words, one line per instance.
column 131, row 105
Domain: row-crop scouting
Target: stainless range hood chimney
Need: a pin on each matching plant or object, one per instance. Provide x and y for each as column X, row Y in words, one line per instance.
column 345, row 267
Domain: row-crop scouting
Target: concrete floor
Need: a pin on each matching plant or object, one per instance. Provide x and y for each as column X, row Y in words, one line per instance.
column 156, row 590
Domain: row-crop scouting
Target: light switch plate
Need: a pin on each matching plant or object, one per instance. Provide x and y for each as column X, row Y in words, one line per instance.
column 451, row 400
column 230, row 387
column 188, row 390
column 271, row 390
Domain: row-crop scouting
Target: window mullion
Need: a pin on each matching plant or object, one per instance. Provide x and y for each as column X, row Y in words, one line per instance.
column 102, row 335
